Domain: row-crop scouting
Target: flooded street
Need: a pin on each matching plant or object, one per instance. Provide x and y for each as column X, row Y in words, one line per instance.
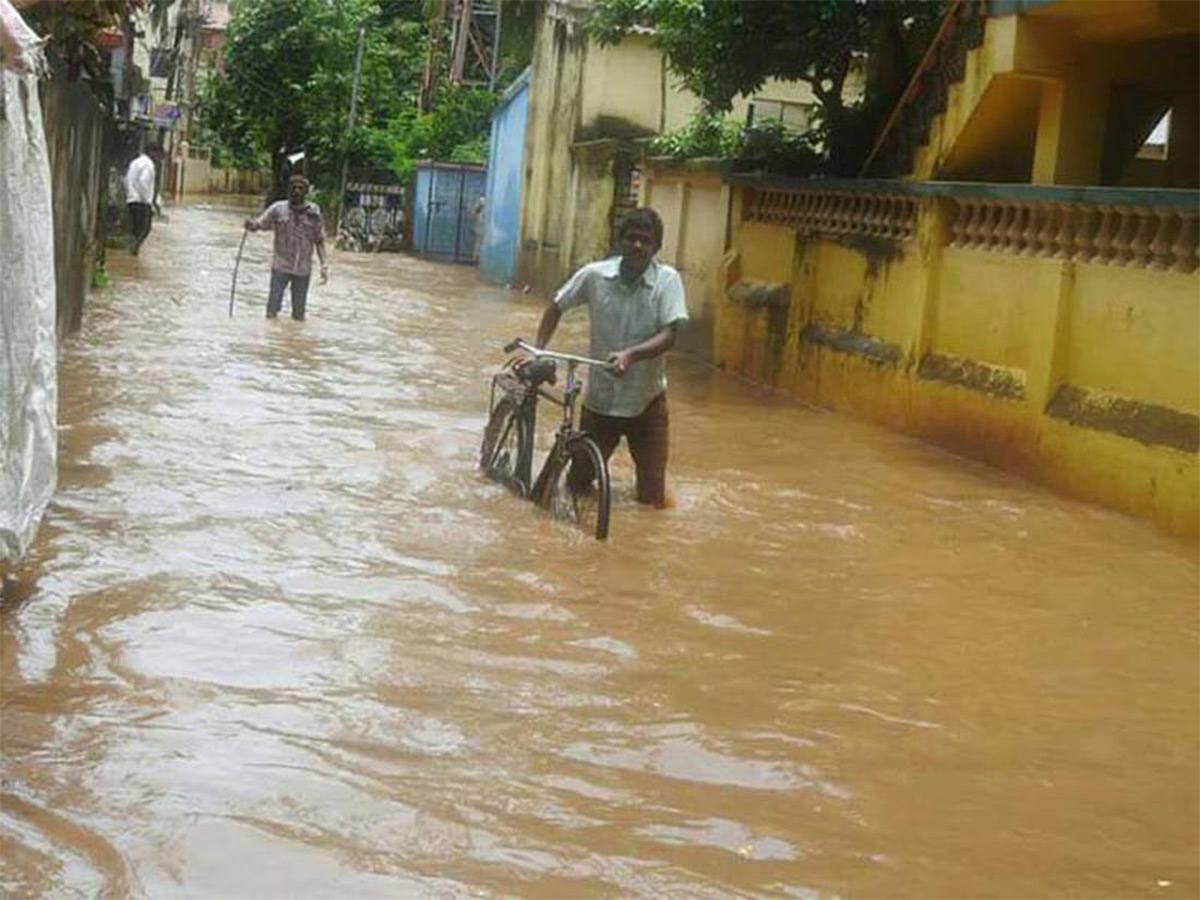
column 279, row 638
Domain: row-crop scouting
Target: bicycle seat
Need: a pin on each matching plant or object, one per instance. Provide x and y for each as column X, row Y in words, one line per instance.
column 539, row 371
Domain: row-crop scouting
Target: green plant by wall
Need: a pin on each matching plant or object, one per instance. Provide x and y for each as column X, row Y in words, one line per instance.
column 771, row 146
column 705, row 134
column 767, row 144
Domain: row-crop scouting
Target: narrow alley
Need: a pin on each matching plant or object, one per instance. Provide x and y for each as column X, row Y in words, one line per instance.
column 279, row 637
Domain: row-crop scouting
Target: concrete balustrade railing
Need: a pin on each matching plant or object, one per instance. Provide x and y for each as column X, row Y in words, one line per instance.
column 836, row 213
column 1141, row 227
column 1145, row 236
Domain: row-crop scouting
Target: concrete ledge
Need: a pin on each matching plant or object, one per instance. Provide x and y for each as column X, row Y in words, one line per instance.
column 694, row 165
column 995, row 381
column 840, row 341
column 1147, row 423
column 753, row 294
column 1170, row 198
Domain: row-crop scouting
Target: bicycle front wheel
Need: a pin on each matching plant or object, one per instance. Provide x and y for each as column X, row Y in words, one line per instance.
column 506, row 442
column 575, row 487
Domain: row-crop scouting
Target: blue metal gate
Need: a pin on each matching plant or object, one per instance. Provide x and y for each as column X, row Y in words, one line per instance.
column 448, row 209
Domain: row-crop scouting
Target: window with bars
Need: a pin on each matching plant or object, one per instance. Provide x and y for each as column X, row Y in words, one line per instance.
column 795, row 116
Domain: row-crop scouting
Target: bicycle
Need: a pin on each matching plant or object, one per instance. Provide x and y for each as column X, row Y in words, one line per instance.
column 573, row 483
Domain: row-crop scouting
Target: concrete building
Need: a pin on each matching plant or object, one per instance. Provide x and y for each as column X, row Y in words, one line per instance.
column 587, row 105
column 1014, row 277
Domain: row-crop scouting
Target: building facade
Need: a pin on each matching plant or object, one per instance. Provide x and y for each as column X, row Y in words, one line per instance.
column 1015, row 277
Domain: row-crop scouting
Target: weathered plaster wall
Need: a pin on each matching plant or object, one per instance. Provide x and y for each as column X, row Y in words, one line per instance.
column 583, row 100
column 590, row 198
column 75, row 141
column 693, row 204
column 622, row 90
column 1135, row 336
column 1080, row 375
column 554, row 116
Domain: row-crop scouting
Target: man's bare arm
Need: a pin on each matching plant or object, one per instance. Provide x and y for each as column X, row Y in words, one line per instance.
column 549, row 322
column 259, row 222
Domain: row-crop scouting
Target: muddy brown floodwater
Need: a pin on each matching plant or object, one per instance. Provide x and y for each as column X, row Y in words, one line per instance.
column 278, row 638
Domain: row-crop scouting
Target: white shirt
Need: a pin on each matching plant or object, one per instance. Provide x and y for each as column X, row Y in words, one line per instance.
column 139, row 181
column 622, row 316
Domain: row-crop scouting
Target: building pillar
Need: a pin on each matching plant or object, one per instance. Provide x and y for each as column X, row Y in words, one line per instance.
column 1048, row 143
column 1049, row 331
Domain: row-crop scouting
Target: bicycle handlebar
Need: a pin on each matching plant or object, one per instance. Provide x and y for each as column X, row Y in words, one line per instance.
column 539, row 353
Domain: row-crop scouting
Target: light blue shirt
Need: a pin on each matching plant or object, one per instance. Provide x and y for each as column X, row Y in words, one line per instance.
column 622, row 316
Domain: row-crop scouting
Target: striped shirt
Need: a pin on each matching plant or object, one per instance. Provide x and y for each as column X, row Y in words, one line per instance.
column 297, row 231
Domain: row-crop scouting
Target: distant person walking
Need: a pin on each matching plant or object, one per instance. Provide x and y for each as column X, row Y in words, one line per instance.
column 139, row 197
column 299, row 229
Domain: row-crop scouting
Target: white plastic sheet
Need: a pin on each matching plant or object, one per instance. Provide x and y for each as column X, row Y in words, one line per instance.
column 28, row 345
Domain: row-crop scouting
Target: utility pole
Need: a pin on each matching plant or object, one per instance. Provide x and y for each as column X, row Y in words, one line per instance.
column 341, row 198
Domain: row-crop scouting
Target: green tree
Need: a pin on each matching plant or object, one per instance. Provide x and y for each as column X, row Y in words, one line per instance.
column 457, row 130
column 288, row 79
column 226, row 128
column 722, row 48
column 289, row 72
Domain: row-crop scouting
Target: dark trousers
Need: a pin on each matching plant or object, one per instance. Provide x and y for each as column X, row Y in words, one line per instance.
column 139, row 223
column 280, row 280
column 646, row 435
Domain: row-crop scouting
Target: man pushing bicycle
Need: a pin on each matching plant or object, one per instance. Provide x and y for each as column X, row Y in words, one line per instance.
column 635, row 305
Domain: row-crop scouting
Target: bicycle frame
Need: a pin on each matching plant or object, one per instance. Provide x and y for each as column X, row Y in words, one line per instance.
column 514, row 415
column 571, row 389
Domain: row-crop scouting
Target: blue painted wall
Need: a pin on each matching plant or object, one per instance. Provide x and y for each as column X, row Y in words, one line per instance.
column 506, row 158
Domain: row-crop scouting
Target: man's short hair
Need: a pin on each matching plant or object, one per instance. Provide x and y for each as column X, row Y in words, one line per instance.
column 644, row 217
column 298, row 179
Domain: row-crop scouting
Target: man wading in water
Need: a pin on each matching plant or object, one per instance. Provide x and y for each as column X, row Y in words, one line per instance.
column 635, row 304
column 139, row 197
column 298, row 229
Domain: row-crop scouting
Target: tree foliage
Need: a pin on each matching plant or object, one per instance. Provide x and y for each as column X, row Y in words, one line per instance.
column 288, row 78
column 289, row 67
column 722, row 48
column 713, row 134
column 456, row 131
